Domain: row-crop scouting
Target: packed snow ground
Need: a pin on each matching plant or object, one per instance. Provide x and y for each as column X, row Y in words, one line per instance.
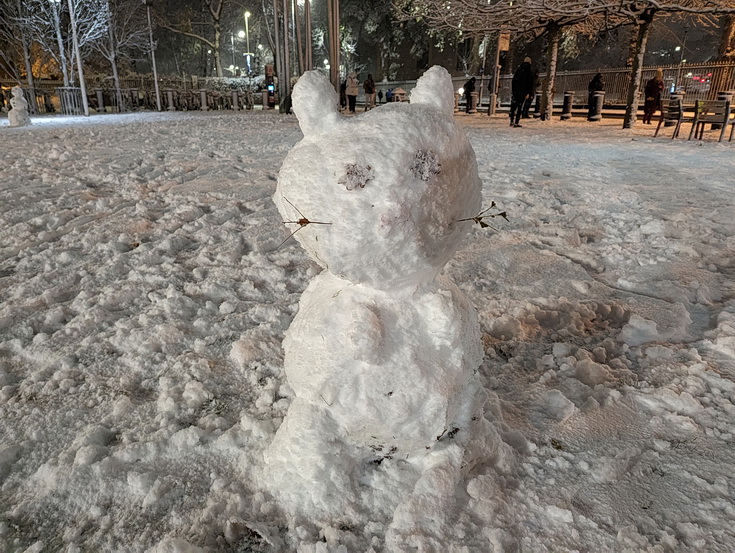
column 145, row 296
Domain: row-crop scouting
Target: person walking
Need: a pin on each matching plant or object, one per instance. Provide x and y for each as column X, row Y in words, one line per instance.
column 343, row 95
column 522, row 90
column 469, row 88
column 652, row 94
column 353, row 87
column 596, row 85
column 369, row 87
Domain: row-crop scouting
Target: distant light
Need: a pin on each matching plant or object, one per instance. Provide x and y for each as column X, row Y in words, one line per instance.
column 461, row 91
column 241, row 34
column 326, row 62
column 677, row 49
column 247, row 14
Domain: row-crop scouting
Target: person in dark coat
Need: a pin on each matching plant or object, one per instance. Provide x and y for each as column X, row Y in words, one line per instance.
column 469, row 88
column 343, row 94
column 523, row 88
column 369, row 87
column 652, row 94
column 527, row 103
column 596, row 85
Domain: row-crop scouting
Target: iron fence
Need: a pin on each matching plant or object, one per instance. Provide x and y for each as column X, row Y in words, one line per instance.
column 694, row 81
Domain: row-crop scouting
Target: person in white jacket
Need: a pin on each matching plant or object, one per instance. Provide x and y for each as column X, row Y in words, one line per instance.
column 353, row 87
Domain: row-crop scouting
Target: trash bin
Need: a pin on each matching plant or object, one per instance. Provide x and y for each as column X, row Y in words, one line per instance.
column 674, row 96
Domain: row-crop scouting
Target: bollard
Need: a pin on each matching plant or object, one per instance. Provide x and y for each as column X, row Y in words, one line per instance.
column 234, row 100
column 100, row 100
column 537, row 106
column 170, row 99
column 722, row 96
column 203, row 97
column 595, row 108
column 456, row 101
column 566, row 111
column 473, row 102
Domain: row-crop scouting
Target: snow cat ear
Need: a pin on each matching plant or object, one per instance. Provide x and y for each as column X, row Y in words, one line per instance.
column 435, row 88
column 315, row 103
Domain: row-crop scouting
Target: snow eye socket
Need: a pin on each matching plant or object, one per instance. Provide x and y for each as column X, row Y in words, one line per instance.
column 425, row 165
column 356, row 176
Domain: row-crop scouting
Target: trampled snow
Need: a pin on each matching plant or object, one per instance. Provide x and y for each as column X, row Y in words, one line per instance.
column 146, row 290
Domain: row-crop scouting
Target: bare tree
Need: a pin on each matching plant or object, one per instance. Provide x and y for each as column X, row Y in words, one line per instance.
column 550, row 16
column 127, row 35
column 201, row 21
column 533, row 18
column 49, row 23
column 642, row 14
column 15, row 38
column 726, row 51
column 45, row 22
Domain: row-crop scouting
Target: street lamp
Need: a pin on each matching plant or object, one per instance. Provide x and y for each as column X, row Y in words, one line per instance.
column 248, row 54
column 247, row 31
column 148, row 4
column 232, row 43
column 681, row 59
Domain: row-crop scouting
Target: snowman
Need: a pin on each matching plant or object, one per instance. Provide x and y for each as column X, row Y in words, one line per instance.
column 383, row 354
column 18, row 114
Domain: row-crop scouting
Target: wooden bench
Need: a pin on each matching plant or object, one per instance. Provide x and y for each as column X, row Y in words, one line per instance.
column 672, row 113
column 711, row 112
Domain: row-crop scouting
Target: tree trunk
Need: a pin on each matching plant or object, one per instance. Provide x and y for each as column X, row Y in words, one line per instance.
column 277, row 47
column 334, row 42
column 552, row 55
column 632, row 46
column 299, row 43
column 78, row 56
column 60, row 41
column 27, row 60
column 113, row 57
column 284, row 99
column 29, row 73
column 726, row 51
column 309, row 38
column 634, row 85
column 218, row 48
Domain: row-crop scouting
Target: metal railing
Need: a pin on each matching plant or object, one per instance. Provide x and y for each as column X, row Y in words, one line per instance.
column 694, row 81
column 70, row 100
